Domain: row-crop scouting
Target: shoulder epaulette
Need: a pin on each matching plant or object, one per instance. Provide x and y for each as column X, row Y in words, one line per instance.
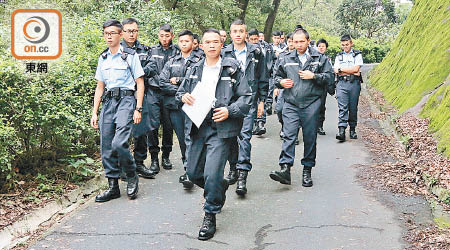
column 104, row 53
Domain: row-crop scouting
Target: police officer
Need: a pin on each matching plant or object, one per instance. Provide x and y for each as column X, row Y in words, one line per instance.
column 252, row 64
column 278, row 93
column 130, row 36
column 159, row 115
column 322, row 46
column 119, row 73
column 347, row 67
column 302, row 73
column 218, row 77
column 170, row 79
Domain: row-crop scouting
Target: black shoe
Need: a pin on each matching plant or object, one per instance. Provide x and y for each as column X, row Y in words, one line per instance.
column 255, row 129
column 184, row 179
column 112, row 192
column 269, row 109
column 341, row 135
column 261, row 128
column 283, row 176
column 241, row 186
column 208, row 228
column 297, row 142
column 320, row 131
column 143, row 171
column 154, row 167
column 306, row 180
column 232, row 177
column 166, row 164
column 133, row 187
column 353, row 134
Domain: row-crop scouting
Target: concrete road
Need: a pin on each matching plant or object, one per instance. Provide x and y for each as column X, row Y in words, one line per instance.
column 336, row 213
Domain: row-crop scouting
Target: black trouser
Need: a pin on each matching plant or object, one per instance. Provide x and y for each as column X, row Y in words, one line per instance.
column 159, row 115
column 323, row 100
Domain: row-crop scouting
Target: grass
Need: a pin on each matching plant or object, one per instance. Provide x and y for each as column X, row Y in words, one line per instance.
column 418, row 63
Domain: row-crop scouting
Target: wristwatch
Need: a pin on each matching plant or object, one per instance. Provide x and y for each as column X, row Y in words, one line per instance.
column 339, row 70
column 139, row 109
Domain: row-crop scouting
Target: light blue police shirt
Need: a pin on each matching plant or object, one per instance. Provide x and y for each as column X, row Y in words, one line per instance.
column 115, row 73
column 348, row 60
column 241, row 56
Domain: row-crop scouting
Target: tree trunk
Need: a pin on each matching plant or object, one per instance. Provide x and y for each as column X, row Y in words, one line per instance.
column 243, row 6
column 271, row 20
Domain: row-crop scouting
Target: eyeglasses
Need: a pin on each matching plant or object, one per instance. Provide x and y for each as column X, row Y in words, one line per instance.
column 108, row 34
column 131, row 31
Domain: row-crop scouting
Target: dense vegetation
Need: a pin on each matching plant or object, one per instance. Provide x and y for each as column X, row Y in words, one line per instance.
column 44, row 126
column 418, row 64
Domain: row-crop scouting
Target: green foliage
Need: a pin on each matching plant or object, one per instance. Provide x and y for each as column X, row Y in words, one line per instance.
column 366, row 17
column 418, row 63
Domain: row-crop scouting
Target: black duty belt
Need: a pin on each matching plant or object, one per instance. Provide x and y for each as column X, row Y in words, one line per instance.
column 117, row 93
column 349, row 78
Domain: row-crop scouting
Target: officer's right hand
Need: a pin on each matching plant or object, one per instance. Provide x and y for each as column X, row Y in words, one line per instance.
column 188, row 99
column 173, row 80
column 94, row 121
column 287, row 83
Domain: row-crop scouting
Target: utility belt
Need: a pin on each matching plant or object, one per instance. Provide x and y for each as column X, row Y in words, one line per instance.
column 117, row 93
column 350, row 78
column 153, row 88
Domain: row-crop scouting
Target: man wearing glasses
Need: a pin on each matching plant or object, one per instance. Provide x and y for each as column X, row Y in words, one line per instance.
column 119, row 78
column 130, row 36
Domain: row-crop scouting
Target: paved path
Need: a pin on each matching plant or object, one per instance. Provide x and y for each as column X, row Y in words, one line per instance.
column 336, row 213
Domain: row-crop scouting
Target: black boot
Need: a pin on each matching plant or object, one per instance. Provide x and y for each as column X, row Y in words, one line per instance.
column 112, row 192
column 154, row 167
column 241, row 186
column 208, row 228
column 261, row 128
column 283, row 176
column 353, row 134
column 306, row 180
column 341, row 135
column 166, row 164
column 143, row 171
column 232, row 176
column 269, row 108
column 320, row 131
column 184, row 179
column 256, row 129
column 133, row 186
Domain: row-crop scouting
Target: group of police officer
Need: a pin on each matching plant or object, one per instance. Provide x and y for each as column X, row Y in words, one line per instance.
column 142, row 88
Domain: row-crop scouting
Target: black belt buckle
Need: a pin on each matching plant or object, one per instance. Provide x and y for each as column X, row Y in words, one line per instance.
column 115, row 93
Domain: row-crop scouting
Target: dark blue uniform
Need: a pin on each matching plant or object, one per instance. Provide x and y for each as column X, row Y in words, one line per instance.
column 158, row 113
column 210, row 144
column 302, row 102
column 256, row 75
column 176, row 67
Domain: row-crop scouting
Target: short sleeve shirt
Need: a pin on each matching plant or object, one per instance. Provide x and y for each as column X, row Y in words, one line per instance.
column 347, row 60
column 116, row 72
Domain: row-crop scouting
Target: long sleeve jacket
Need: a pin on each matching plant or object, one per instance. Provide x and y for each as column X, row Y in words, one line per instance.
column 304, row 92
column 254, row 71
column 232, row 91
column 176, row 67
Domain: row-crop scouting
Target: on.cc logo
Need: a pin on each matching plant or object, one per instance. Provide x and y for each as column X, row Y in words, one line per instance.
column 36, row 34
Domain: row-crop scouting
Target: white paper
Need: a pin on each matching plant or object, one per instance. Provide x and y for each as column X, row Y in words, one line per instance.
column 201, row 107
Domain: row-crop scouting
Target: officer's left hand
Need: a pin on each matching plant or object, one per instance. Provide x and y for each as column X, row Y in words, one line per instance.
column 173, row 80
column 306, row 74
column 260, row 111
column 220, row 114
column 137, row 117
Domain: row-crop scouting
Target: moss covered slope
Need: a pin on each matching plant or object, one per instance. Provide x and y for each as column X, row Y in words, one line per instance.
column 418, row 63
